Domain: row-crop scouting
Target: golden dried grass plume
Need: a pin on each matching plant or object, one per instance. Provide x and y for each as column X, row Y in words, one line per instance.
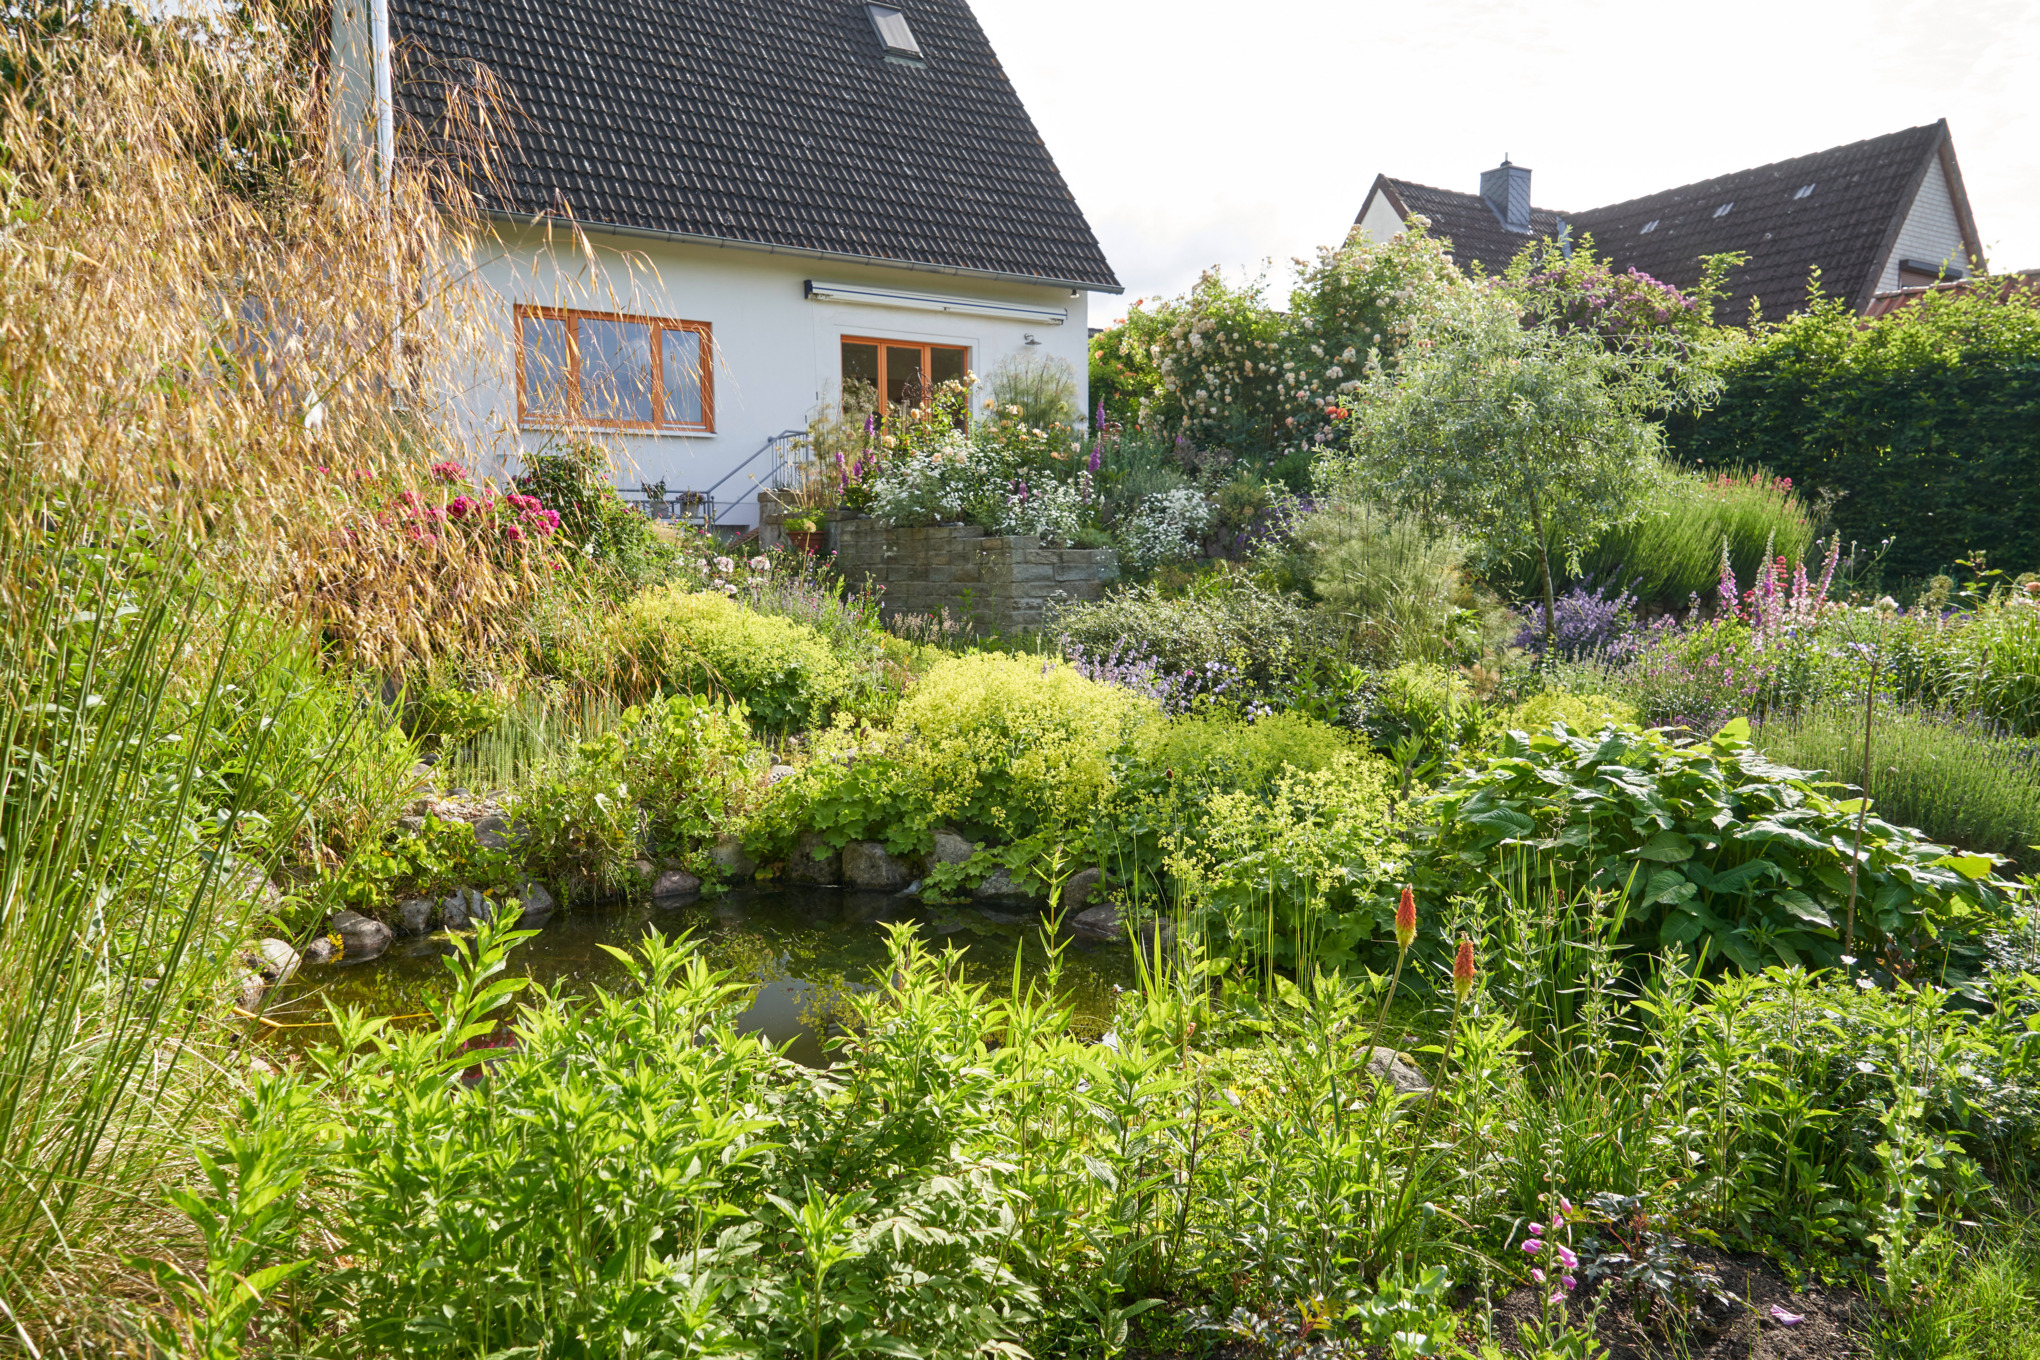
column 213, row 315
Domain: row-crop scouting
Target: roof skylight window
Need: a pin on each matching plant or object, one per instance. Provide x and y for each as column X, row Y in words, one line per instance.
column 1804, row 190
column 893, row 34
column 1649, row 227
column 1722, row 211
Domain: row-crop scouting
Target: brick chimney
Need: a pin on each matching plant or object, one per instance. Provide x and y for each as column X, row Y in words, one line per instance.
column 1506, row 191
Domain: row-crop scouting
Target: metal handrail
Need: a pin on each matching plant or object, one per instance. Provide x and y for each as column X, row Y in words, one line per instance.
column 777, row 446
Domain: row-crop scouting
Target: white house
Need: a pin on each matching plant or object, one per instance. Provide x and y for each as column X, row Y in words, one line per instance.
column 1877, row 215
column 710, row 213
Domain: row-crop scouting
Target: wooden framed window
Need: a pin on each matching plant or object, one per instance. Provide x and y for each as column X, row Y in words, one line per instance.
column 902, row 370
column 615, row 371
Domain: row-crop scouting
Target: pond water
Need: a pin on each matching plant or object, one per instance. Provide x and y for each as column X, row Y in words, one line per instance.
column 802, row 947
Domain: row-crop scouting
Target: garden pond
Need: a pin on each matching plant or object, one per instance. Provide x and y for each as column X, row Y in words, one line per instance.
column 801, row 946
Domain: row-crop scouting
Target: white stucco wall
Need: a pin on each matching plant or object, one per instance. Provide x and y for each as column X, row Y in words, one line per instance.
column 1932, row 233
column 777, row 353
column 1378, row 219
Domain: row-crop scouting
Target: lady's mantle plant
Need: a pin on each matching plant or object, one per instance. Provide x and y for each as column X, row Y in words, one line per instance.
column 1709, row 839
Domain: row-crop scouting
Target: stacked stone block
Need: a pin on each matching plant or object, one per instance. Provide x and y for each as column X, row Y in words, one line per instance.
column 1004, row 585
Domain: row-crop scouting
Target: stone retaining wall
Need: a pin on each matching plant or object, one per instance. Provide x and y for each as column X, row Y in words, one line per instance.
column 1005, row 585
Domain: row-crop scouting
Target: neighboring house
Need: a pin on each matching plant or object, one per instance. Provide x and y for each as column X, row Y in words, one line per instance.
column 1872, row 217
column 777, row 196
column 2025, row 281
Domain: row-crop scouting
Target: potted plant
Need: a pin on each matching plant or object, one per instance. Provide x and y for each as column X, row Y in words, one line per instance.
column 804, row 530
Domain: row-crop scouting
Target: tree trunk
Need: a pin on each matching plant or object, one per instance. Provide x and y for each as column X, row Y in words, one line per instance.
column 1544, row 565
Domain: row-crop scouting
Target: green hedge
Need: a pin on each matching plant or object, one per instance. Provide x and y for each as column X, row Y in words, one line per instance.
column 1926, row 421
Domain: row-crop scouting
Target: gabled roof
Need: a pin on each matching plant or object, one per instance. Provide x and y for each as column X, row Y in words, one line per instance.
column 1465, row 219
column 779, row 124
column 1845, row 226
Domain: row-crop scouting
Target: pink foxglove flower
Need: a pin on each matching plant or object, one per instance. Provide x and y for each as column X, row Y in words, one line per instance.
column 1785, row 1319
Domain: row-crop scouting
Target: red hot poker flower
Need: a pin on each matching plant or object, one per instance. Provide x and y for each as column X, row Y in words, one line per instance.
column 1462, row 970
column 1406, row 919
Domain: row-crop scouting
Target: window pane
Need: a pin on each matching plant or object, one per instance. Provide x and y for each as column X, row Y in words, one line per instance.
column 903, row 375
column 680, row 355
column 616, row 371
column 948, row 365
column 545, row 368
column 860, row 365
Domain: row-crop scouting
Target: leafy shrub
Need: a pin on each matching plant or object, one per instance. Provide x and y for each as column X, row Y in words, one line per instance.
column 666, row 780
column 433, row 861
column 1580, row 712
column 1960, row 783
column 786, row 675
column 450, row 715
column 1395, row 583
column 1257, row 642
column 637, row 1173
column 575, row 482
column 1921, row 421
column 1295, row 872
column 1421, row 714
column 1015, row 746
column 858, row 785
column 1707, row 840
column 1226, row 370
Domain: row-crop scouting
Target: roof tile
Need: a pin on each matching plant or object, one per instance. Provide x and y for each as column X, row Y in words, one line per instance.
column 771, row 122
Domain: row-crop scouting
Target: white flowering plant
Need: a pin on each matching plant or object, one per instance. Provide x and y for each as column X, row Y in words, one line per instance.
column 1225, row 369
column 1050, row 510
column 1166, row 528
column 993, row 476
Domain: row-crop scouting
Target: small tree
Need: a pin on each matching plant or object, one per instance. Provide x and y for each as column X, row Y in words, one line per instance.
column 1529, row 436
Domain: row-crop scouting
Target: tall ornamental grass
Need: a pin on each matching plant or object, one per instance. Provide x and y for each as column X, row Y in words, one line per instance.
column 214, row 317
column 157, row 758
column 1963, row 783
column 1671, row 551
column 220, row 353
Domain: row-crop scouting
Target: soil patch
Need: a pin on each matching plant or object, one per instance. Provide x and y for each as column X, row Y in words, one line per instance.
column 1835, row 1322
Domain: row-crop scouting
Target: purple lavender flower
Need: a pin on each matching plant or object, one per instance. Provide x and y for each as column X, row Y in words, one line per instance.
column 1587, row 622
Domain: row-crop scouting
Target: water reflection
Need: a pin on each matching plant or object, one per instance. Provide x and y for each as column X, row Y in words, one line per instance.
column 803, row 948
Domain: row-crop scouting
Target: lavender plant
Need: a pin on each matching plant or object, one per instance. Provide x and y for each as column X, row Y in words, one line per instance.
column 1587, row 621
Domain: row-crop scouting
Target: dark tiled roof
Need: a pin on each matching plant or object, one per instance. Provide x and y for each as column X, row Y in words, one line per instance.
column 769, row 122
column 1845, row 227
column 1467, row 221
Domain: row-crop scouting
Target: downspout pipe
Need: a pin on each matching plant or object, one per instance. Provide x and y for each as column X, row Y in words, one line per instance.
column 385, row 103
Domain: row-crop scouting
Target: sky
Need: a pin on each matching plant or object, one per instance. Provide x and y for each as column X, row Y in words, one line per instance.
column 1198, row 134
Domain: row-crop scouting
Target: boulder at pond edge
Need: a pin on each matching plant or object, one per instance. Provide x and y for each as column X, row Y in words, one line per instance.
column 674, row 887
column 866, row 864
column 814, row 860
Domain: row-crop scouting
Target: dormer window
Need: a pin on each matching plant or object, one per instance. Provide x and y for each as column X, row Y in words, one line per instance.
column 1649, row 227
column 895, row 37
column 1804, row 190
column 1722, row 211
